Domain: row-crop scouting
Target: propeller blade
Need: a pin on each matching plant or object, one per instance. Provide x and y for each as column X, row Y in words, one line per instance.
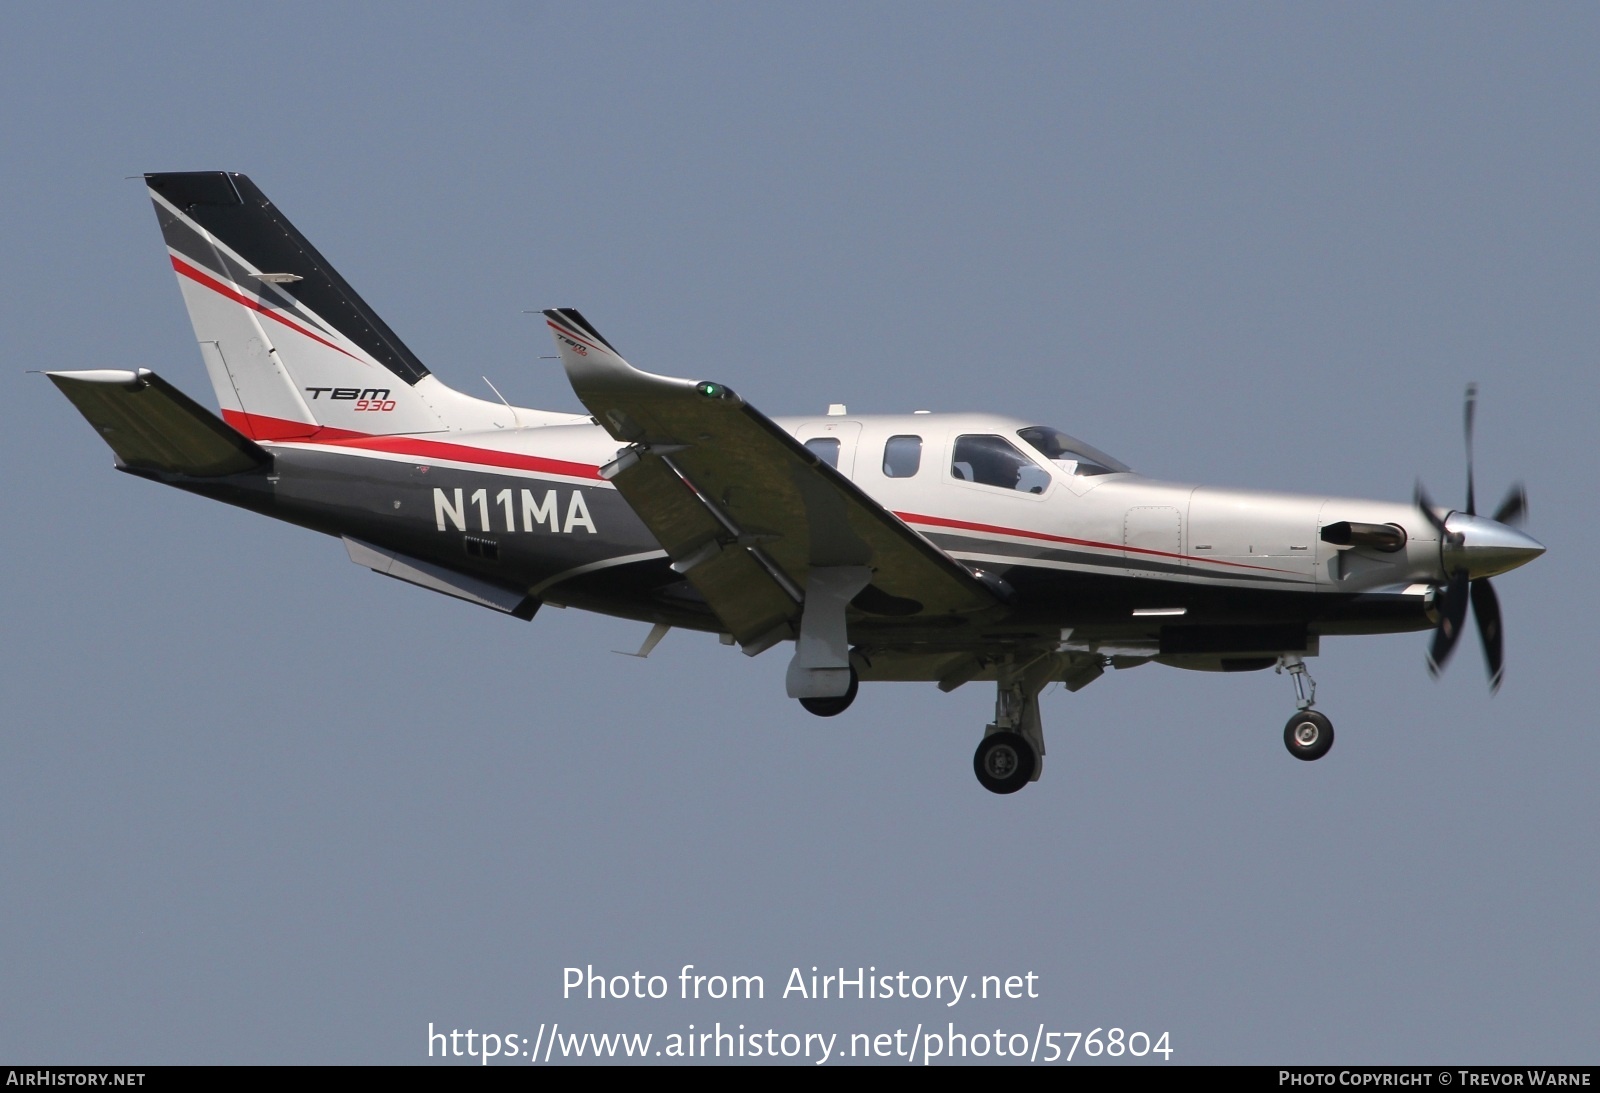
column 1514, row 507
column 1452, row 613
column 1486, row 610
column 1425, row 506
column 1472, row 405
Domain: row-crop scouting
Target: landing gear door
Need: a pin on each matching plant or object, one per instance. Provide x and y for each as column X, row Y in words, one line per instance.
column 834, row 442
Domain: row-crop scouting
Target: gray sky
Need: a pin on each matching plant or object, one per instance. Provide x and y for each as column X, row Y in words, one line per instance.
column 264, row 806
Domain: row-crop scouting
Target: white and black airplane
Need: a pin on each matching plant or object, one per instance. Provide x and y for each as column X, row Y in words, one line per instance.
column 927, row 546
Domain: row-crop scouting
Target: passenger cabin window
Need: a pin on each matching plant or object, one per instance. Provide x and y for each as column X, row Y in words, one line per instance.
column 826, row 448
column 902, row 455
column 994, row 461
column 1069, row 453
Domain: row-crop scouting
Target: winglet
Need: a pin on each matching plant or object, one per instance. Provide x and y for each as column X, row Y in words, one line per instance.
column 572, row 317
column 593, row 365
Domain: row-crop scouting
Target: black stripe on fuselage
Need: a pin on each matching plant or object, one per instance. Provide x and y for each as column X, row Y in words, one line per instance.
column 253, row 228
column 961, row 544
column 395, row 504
column 391, row 504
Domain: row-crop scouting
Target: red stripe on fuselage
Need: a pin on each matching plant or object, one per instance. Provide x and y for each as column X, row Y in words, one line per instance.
column 994, row 529
column 463, row 453
column 201, row 278
column 259, row 427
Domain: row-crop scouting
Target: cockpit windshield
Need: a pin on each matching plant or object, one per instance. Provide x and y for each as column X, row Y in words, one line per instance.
column 1069, row 453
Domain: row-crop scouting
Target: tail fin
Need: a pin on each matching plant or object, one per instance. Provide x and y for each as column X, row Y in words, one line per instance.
column 290, row 348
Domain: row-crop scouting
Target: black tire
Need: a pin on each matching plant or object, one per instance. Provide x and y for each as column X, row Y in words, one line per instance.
column 1004, row 762
column 1308, row 735
column 832, row 707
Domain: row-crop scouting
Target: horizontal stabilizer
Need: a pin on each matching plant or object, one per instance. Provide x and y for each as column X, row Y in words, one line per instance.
column 436, row 578
column 153, row 426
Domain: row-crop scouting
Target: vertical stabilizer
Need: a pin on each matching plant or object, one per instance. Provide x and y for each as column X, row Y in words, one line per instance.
column 290, row 347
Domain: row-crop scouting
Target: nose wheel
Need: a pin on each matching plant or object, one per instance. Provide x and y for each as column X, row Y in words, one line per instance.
column 1308, row 735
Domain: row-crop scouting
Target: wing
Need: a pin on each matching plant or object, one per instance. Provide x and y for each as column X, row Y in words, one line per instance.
column 744, row 510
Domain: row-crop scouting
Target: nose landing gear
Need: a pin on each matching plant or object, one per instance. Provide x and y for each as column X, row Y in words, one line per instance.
column 1309, row 734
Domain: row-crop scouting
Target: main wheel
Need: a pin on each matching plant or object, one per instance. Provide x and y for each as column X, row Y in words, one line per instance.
column 1004, row 762
column 838, row 704
column 1308, row 735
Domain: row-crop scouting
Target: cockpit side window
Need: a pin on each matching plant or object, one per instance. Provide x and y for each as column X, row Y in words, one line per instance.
column 1069, row 453
column 902, row 456
column 825, row 448
column 994, row 461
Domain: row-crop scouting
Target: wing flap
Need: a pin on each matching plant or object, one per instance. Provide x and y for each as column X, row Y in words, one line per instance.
column 751, row 604
column 153, row 426
column 748, row 599
column 667, row 504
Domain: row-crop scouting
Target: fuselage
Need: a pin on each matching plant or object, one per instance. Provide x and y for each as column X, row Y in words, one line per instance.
column 1082, row 548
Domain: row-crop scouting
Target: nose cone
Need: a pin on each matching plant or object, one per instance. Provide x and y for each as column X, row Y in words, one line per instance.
column 1485, row 547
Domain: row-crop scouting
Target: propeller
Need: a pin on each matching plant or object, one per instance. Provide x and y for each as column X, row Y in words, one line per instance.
column 1460, row 588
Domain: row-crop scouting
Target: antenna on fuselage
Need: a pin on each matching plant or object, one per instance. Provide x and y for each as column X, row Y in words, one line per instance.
column 516, row 422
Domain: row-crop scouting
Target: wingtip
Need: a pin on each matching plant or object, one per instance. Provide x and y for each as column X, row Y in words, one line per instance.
column 573, row 317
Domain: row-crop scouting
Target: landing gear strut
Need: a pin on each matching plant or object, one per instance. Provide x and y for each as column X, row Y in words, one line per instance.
column 1309, row 734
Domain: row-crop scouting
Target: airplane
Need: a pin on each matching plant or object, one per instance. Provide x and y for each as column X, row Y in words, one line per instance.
column 938, row 547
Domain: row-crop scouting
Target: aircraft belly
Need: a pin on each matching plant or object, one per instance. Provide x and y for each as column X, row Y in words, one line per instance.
column 1099, row 597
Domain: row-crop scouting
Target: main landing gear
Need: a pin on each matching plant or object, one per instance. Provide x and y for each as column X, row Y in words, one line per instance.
column 1309, row 734
column 1011, row 753
column 820, row 674
column 834, row 705
column 1004, row 761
